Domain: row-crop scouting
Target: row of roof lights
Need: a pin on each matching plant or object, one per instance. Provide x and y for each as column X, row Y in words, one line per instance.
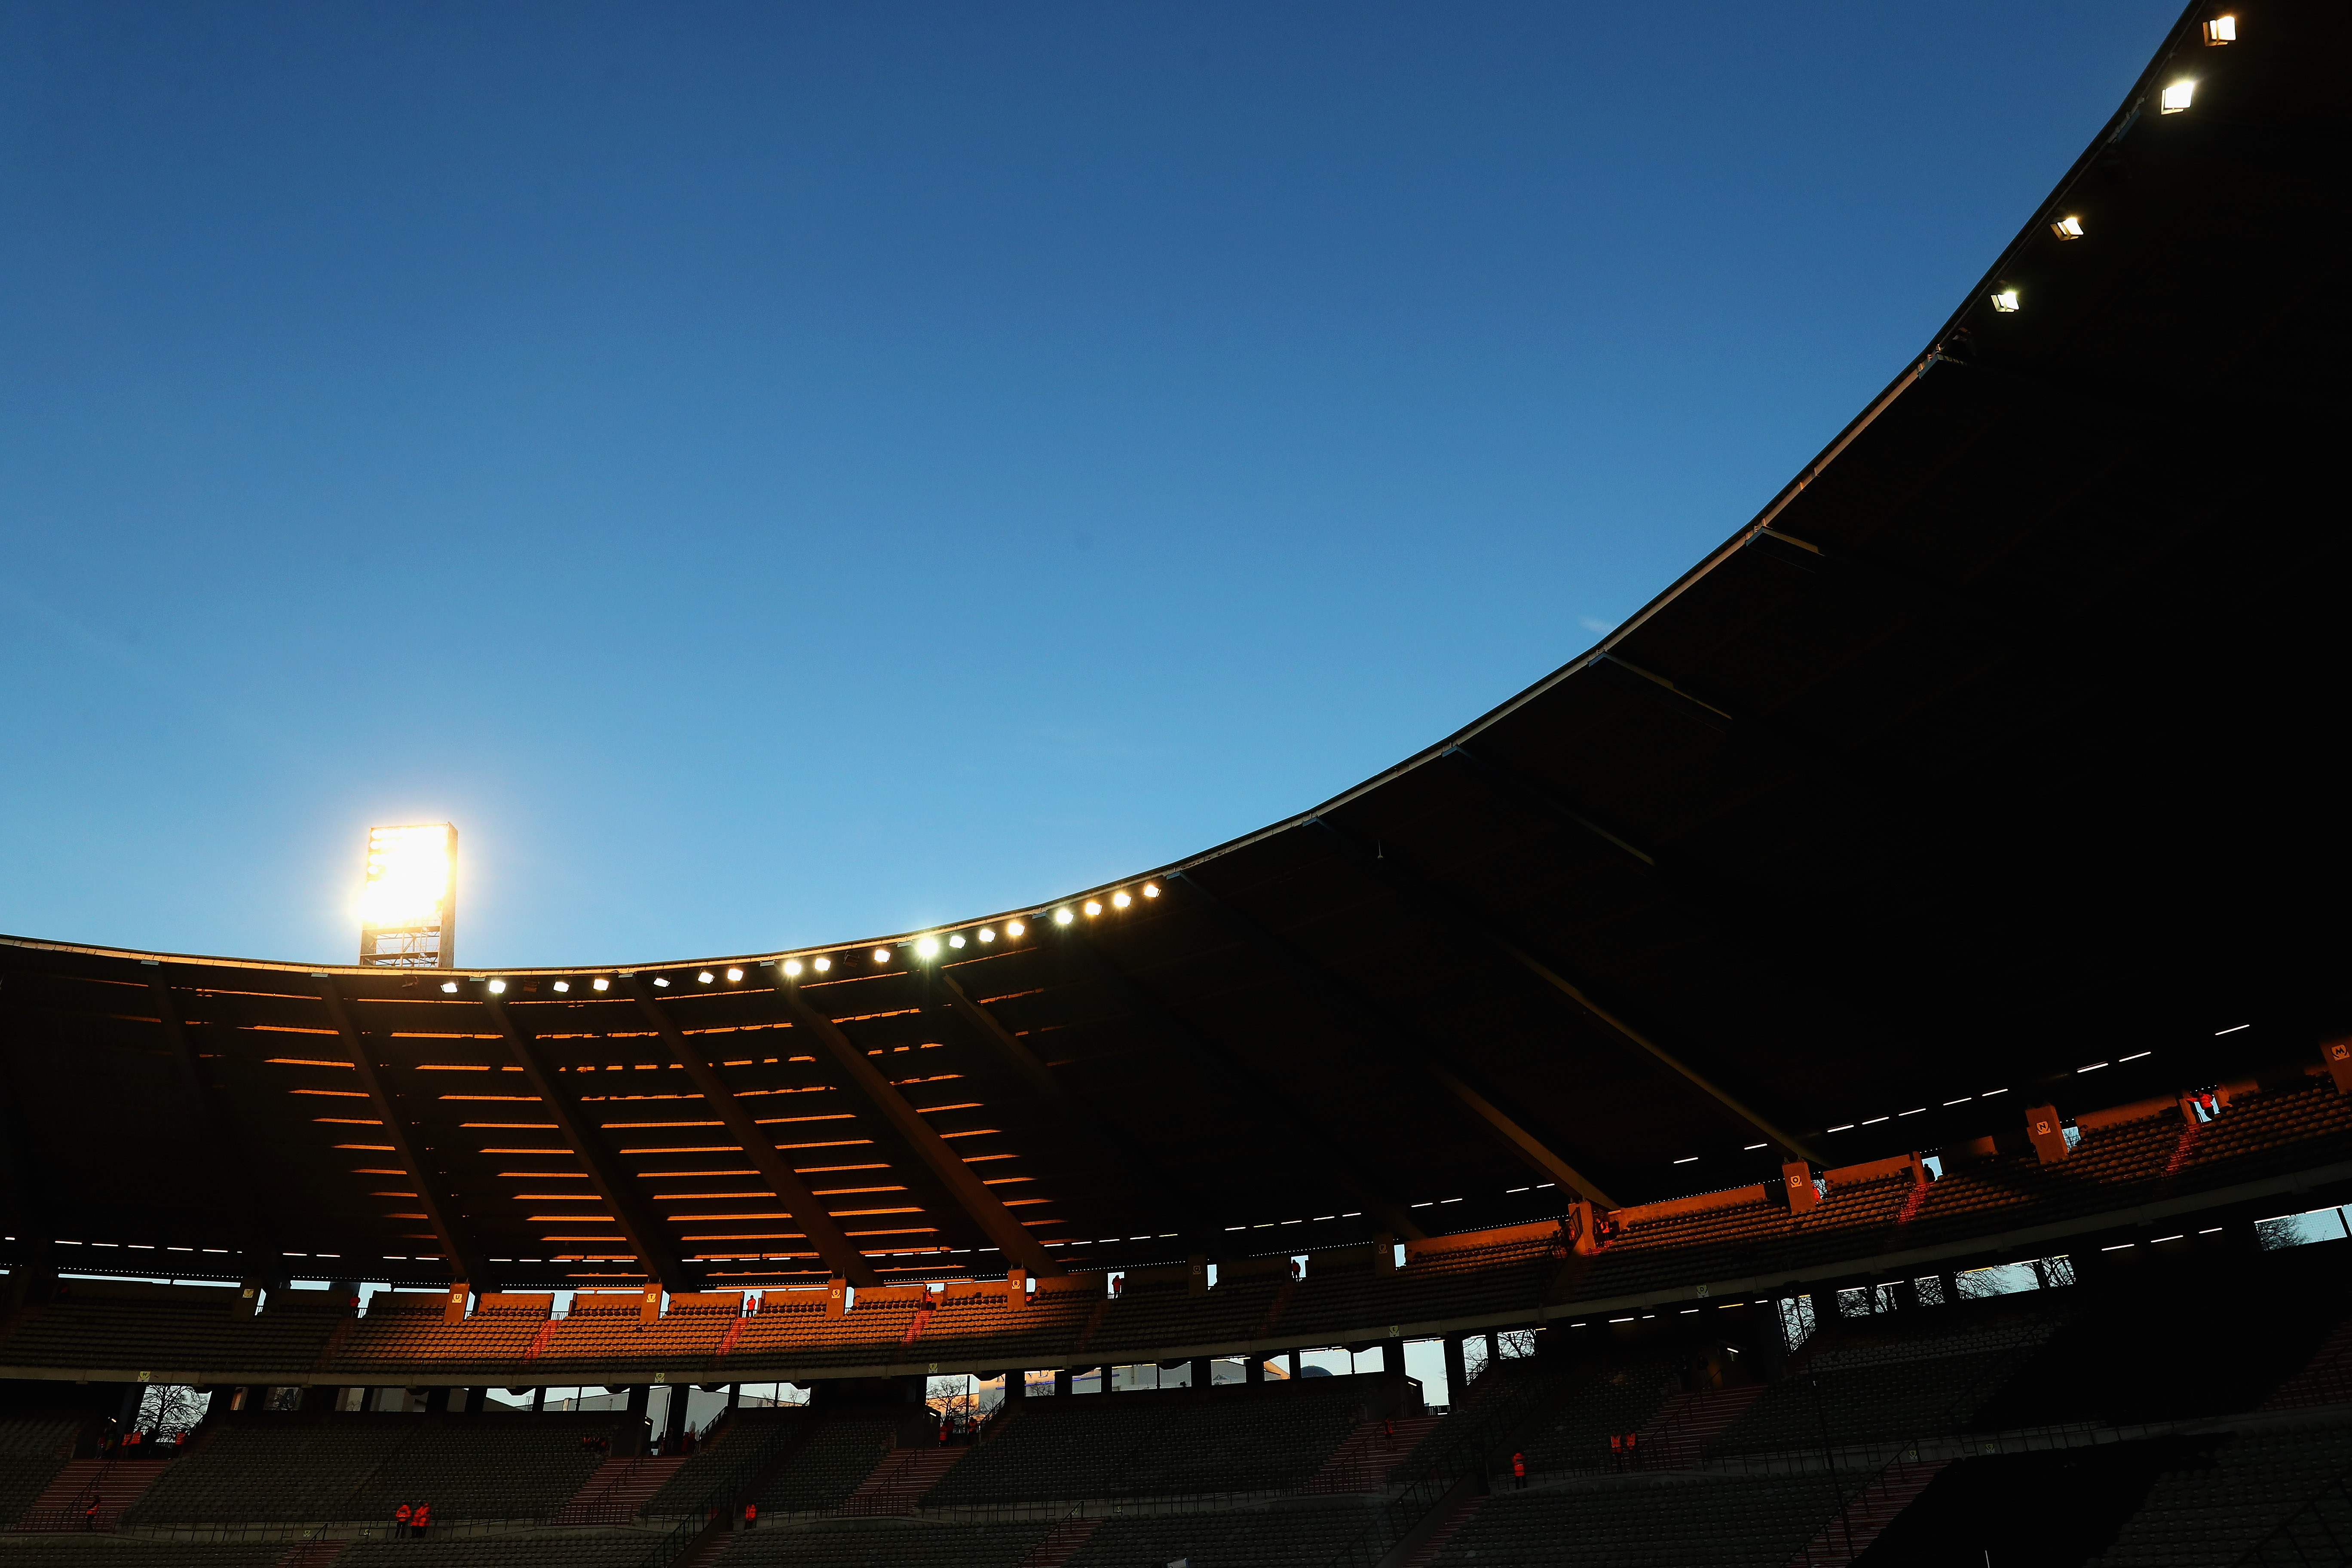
column 924, row 946
column 2175, row 98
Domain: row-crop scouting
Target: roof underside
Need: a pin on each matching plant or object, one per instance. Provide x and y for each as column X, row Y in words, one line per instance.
column 1999, row 746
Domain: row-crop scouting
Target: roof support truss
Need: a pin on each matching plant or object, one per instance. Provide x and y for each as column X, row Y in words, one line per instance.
column 241, row 1196
column 1367, row 1192
column 996, row 1222
column 612, row 1183
column 465, row 1260
column 1451, row 909
column 839, row 1253
column 1422, row 1054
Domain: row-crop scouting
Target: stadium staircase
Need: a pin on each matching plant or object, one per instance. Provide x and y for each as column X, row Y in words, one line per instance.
column 1362, row 1464
column 901, row 1478
column 1687, row 1423
column 619, row 1489
column 310, row 1554
column 1427, row 1551
column 1060, row 1542
column 2326, row 1379
column 1867, row 1514
column 114, row 1484
column 710, row 1552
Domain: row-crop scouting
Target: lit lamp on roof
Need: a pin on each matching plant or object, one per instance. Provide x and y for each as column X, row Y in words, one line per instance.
column 408, row 904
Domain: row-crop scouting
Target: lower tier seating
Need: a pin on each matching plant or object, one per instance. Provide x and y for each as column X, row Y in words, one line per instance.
column 731, row 1458
column 2215, row 1511
column 528, row 1549
column 1306, row 1533
column 1687, row 1520
column 884, row 1543
column 263, row 1470
column 33, row 1449
column 825, row 1468
column 123, row 1552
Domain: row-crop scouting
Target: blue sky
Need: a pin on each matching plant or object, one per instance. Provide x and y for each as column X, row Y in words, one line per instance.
column 776, row 474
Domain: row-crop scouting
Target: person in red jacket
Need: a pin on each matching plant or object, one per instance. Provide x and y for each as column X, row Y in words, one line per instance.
column 1518, row 1469
column 421, row 1519
column 400, row 1521
column 751, row 1516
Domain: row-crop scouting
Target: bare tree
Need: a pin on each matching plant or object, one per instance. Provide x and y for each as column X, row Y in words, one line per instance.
column 168, row 1409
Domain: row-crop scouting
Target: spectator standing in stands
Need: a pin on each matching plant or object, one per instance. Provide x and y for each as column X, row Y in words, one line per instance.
column 400, row 1521
column 421, row 1519
column 1518, row 1470
column 89, row 1514
column 751, row 1516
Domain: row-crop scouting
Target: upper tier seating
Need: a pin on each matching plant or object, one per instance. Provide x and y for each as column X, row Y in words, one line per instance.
column 1292, row 1533
column 191, row 1330
column 1160, row 1313
column 1673, row 1520
column 2216, row 1513
column 884, row 1543
column 405, row 1329
column 1240, row 1437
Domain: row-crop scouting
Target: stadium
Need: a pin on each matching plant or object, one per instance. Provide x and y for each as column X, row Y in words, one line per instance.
column 1854, row 1067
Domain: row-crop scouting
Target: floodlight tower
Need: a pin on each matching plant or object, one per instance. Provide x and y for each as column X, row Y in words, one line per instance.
column 408, row 908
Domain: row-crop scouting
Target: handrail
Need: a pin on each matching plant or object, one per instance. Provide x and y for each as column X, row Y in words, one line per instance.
column 2305, row 1528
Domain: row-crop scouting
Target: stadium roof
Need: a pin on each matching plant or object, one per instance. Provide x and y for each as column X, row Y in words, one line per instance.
column 1997, row 749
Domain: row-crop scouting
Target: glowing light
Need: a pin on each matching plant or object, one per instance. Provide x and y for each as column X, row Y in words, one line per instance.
column 408, row 873
column 2067, row 228
column 601, row 984
column 956, row 940
column 1120, row 900
column 661, row 981
column 2222, row 30
column 2005, row 301
column 821, row 964
column 734, row 975
column 1092, row 908
column 2177, row 96
column 881, row 955
column 563, row 985
column 791, row 968
column 928, row 947
column 1014, row 928
column 1062, row 916
column 498, row 987
column 988, row 934
column 1150, row 889
column 449, row 986
column 705, row 977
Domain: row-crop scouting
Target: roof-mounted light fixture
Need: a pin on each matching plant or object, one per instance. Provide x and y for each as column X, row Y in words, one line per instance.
column 449, row 986
column 734, row 975
column 956, row 940
column 601, row 984
column 1062, row 916
column 2069, row 227
column 881, row 955
column 2177, row 96
column 820, row 964
column 1150, row 889
column 563, row 985
column 927, row 947
column 1093, row 906
column 791, row 968
column 2005, row 301
column 987, row 934
column 2220, row 30
column 498, row 987
column 1014, row 928
column 705, row 977
column 662, row 981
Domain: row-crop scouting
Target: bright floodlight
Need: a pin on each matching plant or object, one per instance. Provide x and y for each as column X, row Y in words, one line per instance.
column 2005, row 301
column 1120, row 900
column 1092, row 908
column 563, row 985
column 928, row 947
column 1150, row 889
column 988, row 934
column 791, row 968
column 498, row 987
column 450, row 986
column 1062, row 916
column 1014, row 928
column 408, row 901
column 601, row 984
column 705, row 977
column 734, row 975
column 956, row 940
column 2067, row 228
column 821, row 964
column 2177, row 96
column 881, row 955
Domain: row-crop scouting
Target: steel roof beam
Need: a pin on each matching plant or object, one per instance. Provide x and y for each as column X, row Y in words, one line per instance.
column 611, row 1184
column 838, row 1252
column 1366, row 1192
column 465, row 1260
column 996, row 1222
column 240, row 1193
column 1419, row 1052
column 1447, row 907
column 1546, row 804
column 1042, row 1080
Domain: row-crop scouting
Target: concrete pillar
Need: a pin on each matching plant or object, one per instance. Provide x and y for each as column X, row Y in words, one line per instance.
column 1017, row 1386
column 1202, row 1376
column 1253, row 1369
column 674, row 1428
column 476, row 1401
column 734, row 1395
column 436, row 1400
column 1457, row 1375
column 1494, row 1350
column 538, row 1400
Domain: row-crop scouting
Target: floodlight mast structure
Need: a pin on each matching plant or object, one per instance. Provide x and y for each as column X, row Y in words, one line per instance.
column 408, row 907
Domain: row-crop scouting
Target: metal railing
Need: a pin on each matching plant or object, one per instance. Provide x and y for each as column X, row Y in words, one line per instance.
column 2320, row 1532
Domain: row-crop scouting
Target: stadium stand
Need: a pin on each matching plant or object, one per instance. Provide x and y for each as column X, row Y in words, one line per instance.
column 1649, row 1521
column 117, row 1551
column 743, row 1448
column 826, row 1466
column 1277, row 1535
column 886, row 1543
column 33, row 1449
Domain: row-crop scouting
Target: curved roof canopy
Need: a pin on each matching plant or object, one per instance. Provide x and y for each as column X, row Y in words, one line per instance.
column 1999, row 749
